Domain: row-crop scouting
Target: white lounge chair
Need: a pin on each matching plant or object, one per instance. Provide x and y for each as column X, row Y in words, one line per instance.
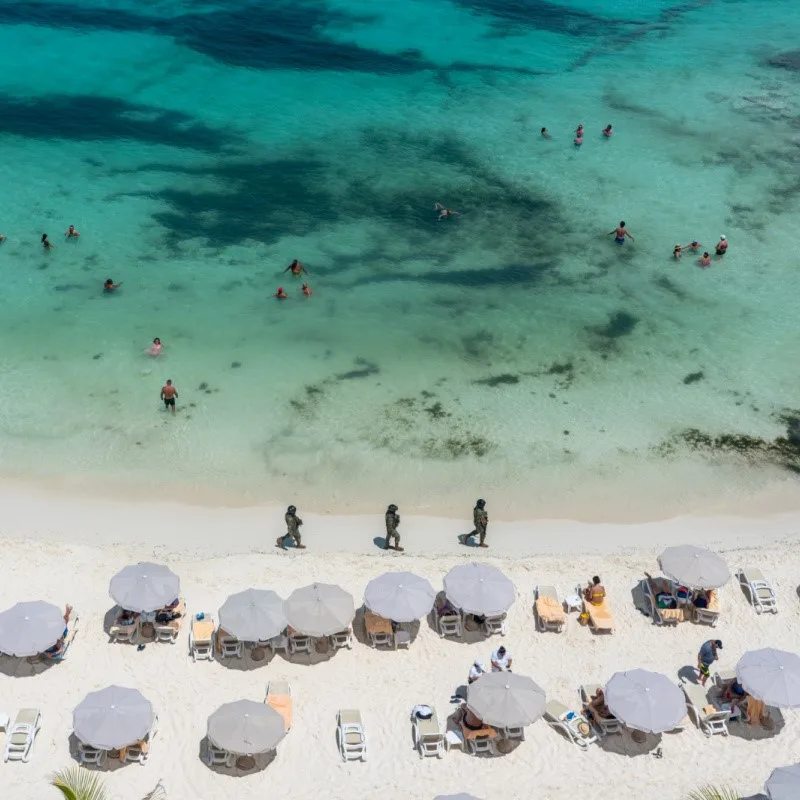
column 342, row 639
column 217, row 757
column 22, row 734
column 201, row 638
column 512, row 733
column 72, row 630
column 496, row 624
column 350, row 735
column 428, row 737
column 279, row 697
column 168, row 631
column 570, row 723
column 662, row 616
column 604, row 725
column 759, row 590
column 547, row 609
column 700, row 709
column 480, row 745
column 229, row 646
column 402, row 639
column 279, row 642
column 91, row 755
column 449, row 625
column 124, row 633
column 137, row 753
column 299, row 644
column 707, row 616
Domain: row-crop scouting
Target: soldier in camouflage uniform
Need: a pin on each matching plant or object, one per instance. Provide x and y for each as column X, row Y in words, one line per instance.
column 480, row 519
column 392, row 521
column 293, row 523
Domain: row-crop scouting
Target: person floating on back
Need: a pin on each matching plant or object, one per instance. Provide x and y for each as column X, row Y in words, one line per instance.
column 169, row 394
column 293, row 523
column 445, row 213
column 481, row 520
column 620, row 232
column 578, row 136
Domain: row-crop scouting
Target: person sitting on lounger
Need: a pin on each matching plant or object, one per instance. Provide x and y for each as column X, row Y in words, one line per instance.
column 444, row 608
column 596, row 708
column 595, row 592
column 471, row 721
column 58, row 648
column 663, row 599
column 700, row 599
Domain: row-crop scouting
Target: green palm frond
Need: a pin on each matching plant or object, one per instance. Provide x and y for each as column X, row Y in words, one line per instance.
column 714, row 793
column 77, row 783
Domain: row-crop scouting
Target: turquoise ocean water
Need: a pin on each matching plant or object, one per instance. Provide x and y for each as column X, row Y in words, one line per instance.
column 514, row 352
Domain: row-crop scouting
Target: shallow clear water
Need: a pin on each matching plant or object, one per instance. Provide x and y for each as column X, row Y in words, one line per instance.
column 514, row 352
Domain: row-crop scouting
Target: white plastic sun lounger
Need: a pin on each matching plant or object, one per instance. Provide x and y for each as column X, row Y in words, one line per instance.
column 449, row 625
column 604, row 725
column 496, row 624
column 759, row 590
column 22, row 734
column 427, row 735
column 563, row 719
column 88, row 755
column 350, row 735
column 699, row 708
column 546, row 608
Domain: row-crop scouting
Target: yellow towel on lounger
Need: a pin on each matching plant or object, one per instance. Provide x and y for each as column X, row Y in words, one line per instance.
column 600, row 615
column 755, row 710
column 549, row 609
column 282, row 703
column 203, row 629
column 376, row 624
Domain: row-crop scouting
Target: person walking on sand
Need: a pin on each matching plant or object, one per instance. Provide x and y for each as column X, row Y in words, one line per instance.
column 620, row 232
column 293, row 523
column 706, row 657
column 169, row 394
column 480, row 519
column 392, row 521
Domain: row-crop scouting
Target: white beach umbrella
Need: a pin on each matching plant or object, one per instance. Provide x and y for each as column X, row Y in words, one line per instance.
column 319, row 609
column 695, row 567
column 784, row 783
column 112, row 718
column 479, row 589
column 772, row 676
column 399, row 596
column 144, row 587
column 246, row 728
column 253, row 615
column 27, row 629
column 506, row 700
column 644, row 700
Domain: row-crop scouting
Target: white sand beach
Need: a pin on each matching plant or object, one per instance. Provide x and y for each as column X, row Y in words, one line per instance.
column 63, row 548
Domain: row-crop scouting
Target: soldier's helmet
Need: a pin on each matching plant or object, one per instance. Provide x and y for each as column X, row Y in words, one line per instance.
column 392, row 508
column 480, row 503
column 291, row 510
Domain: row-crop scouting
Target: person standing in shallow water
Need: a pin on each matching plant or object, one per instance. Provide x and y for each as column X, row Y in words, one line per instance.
column 481, row 520
column 620, row 232
column 392, row 521
column 293, row 523
column 169, row 394
column 46, row 243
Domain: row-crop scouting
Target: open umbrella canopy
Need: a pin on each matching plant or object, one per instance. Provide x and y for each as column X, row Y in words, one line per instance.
column 506, row 700
column 772, row 676
column 784, row 783
column 246, row 728
column 319, row 609
column 400, row 596
column 253, row 615
column 28, row 629
column 113, row 717
column 695, row 567
column 144, row 587
column 646, row 701
column 479, row 589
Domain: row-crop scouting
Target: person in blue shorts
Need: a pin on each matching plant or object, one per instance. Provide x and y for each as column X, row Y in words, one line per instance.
column 620, row 233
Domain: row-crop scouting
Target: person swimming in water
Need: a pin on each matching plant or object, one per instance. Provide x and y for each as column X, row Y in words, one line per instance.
column 545, row 134
column 705, row 261
column 695, row 246
column 71, row 233
column 155, row 348
column 307, row 290
column 677, row 251
column 444, row 213
column 296, row 268
column 280, row 294
column 722, row 245
column 620, row 232
column 607, row 132
column 46, row 243
column 110, row 286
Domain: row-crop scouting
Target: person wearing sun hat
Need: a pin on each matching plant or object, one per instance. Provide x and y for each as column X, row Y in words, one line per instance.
column 722, row 245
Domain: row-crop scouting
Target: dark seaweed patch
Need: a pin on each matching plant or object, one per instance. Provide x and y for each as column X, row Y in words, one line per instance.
column 436, row 411
column 365, row 370
column 455, row 447
column 789, row 59
column 620, row 324
column 68, row 287
column 506, row 379
column 693, row 377
column 663, row 282
column 236, row 364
